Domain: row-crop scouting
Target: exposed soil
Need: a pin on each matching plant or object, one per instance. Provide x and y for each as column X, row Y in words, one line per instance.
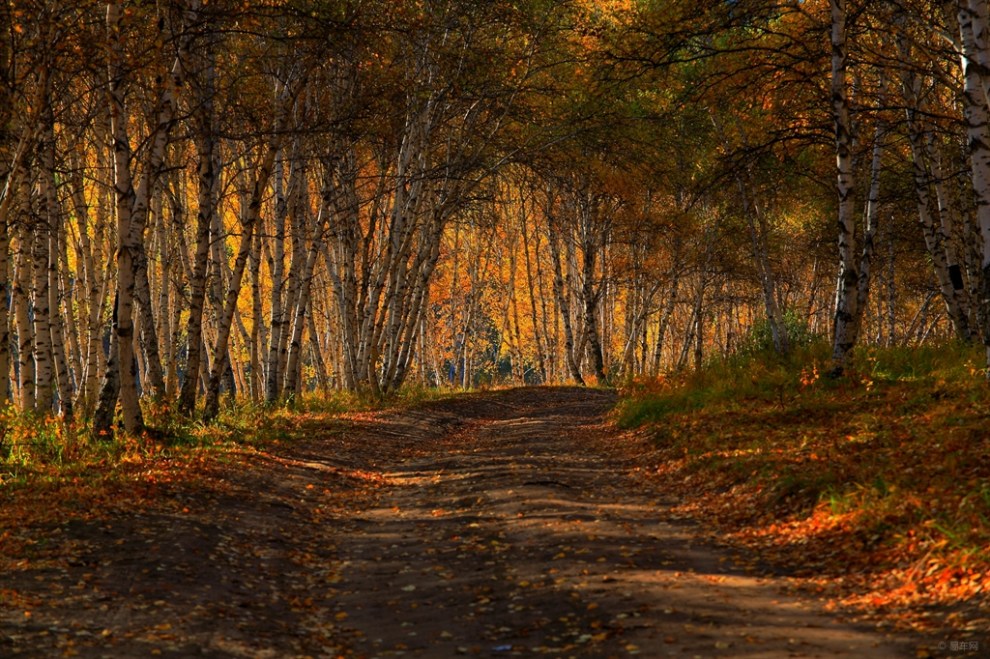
column 498, row 524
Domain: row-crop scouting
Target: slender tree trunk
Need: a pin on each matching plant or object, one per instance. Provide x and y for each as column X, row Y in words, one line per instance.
column 299, row 213
column 149, row 335
column 538, row 336
column 106, row 402
column 891, row 294
column 948, row 273
column 63, row 314
column 277, row 268
column 25, row 336
column 562, row 296
column 590, row 298
column 513, row 301
column 869, row 235
column 132, row 205
column 844, row 324
column 664, row 322
column 204, row 123
column 41, row 307
column 256, row 322
column 699, row 330
column 7, row 145
column 93, row 283
column 321, row 366
column 977, row 116
column 123, row 331
column 294, row 361
column 287, row 99
column 5, row 294
column 197, row 285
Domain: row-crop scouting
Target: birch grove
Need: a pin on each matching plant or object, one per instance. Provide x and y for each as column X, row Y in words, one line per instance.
column 202, row 203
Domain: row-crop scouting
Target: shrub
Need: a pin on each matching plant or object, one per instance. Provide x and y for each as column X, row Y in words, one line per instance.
column 759, row 339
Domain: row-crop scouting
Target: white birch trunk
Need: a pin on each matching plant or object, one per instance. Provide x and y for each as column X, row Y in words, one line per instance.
column 277, row 268
column 22, row 319
column 538, row 336
column 977, row 116
column 872, row 213
column 562, row 295
column 592, row 239
column 844, row 329
column 132, row 205
column 291, row 385
column 50, row 236
column 123, row 332
column 5, row 294
column 938, row 243
column 287, row 98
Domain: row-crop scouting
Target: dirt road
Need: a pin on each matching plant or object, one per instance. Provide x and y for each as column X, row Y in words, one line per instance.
column 497, row 524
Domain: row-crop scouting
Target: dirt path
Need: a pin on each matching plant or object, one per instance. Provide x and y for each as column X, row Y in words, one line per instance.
column 504, row 525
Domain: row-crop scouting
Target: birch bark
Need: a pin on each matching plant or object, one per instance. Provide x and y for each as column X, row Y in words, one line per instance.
column 869, row 234
column 562, row 296
column 938, row 243
column 287, row 95
column 844, row 329
column 592, row 239
column 22, row 319
column 977, row 116
column 204, row 123
column 277, row 268
column 538, row 336
column 292, row 386
column 132, row 205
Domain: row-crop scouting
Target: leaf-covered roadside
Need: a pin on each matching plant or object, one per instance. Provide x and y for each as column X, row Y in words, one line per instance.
column 52, row 470
column 873, row 489
column 136, row 544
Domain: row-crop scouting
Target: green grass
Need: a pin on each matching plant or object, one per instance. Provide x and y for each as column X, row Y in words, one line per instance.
column 732, row 383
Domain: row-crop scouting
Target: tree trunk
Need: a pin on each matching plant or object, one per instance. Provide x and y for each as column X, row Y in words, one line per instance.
column 277, row 268
column 255, row 343
column 948, row 273
column 132, row 205
column 5, row 294
column 590, row 298
column 844, row 329
column 531, row 290
column 293, row 362
column 207, row 208
column 562, row 296
column 869, row 234
column 287, row 99
column 977, row 116
column 41, row 307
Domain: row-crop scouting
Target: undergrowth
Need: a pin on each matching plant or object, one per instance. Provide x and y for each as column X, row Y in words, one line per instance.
column 35, row 449
column 875, row 486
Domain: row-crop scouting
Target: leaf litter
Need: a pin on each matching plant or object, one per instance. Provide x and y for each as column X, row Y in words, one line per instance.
column 521, row 529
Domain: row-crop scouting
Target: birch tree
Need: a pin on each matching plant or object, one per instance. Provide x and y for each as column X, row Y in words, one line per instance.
column 131, row 205
column 934, row 214
column 845, row 327
column 286, row 94
column 201, row 65
column 974, row 31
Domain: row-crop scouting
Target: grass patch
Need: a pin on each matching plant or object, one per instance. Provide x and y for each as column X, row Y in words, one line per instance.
column 876, row 485
column 51, row 468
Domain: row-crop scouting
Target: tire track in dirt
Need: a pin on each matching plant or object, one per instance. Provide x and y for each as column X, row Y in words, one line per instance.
column 495, row 524
column 521, row 533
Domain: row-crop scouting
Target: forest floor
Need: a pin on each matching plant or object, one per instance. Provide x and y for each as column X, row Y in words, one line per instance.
column 502, row 523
